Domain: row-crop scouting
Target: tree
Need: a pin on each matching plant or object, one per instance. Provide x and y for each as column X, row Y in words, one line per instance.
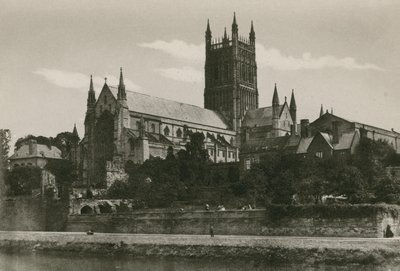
column 22, row 180
column 65, row 141
column 388, row 190
column 63, row 170
column 5, row 138
column 195, row 147
column 39, row 139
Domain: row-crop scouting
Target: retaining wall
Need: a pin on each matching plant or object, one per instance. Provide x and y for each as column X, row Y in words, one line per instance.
column 371, row 222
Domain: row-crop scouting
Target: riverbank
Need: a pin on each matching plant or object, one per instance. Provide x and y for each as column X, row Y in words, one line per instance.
column 305, row 250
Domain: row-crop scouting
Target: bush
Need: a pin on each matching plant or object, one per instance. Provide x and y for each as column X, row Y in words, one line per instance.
column 22, row 180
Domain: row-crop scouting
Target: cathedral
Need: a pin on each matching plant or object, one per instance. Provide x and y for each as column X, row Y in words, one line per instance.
column 123, row 127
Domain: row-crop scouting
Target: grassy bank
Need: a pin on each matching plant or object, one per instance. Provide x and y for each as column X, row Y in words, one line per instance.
column 266, row 249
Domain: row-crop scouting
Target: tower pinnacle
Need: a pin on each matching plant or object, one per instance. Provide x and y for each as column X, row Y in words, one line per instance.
column 275, row 98
column 121, row 87
column 234, row 24
column 293, row 101
column 321, row 112
column 74, row 131
column 252, row 35
column 208, row 30
column 91, row 100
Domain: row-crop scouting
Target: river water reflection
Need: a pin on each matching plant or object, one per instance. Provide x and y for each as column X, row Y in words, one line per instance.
column 74, row 262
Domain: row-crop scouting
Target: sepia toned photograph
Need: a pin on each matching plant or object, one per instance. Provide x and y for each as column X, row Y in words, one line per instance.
column 187, row 135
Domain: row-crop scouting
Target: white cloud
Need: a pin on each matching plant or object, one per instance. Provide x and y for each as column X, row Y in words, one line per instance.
column 75, row 80
column 178, row 49
column 185, row 74
column 266, row 57
column 273, row 58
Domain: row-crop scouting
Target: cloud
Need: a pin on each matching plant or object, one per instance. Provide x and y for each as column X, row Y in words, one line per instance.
column 273, row 58
column 178, row 49
column 184, row 74
column 75, row 80
column 266, row 57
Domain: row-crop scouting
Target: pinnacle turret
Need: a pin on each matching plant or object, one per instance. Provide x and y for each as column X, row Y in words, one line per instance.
column 74, row 131
column 91, row 100
column 321, row 112
column 275, row 98
column 121, row 87
column 293, row 110
column 208, row 30
column 293, row 101
column 234, row 25
column 252, row 35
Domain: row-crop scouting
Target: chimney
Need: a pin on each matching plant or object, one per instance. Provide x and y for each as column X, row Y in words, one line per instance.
column 293, row 129
column 246, row 135
column 335, row 132
column 32, row 147
column 305, row 128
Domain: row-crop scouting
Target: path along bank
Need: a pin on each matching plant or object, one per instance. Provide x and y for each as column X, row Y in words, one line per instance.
column 309, row 250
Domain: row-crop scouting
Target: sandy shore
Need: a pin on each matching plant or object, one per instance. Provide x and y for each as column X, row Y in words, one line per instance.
column 310, row 250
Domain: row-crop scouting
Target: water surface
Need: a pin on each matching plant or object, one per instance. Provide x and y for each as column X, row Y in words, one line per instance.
column 76, row 262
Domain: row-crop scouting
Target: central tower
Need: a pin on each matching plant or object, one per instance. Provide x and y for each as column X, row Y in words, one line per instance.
column 231, row 74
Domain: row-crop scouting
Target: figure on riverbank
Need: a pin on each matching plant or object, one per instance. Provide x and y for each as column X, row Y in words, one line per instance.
column 388, row 232
column 211, row 231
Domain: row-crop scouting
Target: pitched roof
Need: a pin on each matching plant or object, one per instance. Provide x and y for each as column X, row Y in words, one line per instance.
column 40, row 150
column 154, row 138
column 155, row 106
column 304, row 144
column 327, row 137
column 345, row 141
column 267, row 144
column 259, row 117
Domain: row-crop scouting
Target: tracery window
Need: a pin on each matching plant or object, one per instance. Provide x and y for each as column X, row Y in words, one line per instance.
column 166, row 131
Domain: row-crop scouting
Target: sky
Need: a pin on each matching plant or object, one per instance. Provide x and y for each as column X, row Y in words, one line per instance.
column 342, row 54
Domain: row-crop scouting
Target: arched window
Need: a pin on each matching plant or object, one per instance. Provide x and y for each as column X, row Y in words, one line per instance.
column 105, row 99
column 250, row 76
column 86, row 210
column 137, row 125
column 131, row 144
column 153, row 128
column 179, row 133
column 226, row 72
column 166, row 131
column 216, row 73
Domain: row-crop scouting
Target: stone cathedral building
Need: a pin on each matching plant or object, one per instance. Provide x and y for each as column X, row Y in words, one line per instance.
column 122, row 126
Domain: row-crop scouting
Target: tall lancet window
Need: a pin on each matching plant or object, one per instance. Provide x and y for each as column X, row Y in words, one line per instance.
column 166, row 131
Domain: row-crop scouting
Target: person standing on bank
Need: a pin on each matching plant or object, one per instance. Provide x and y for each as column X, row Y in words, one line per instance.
column 211, row 231
column 388, row 233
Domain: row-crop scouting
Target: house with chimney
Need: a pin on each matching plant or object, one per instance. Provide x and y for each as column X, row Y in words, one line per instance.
column 33, row 154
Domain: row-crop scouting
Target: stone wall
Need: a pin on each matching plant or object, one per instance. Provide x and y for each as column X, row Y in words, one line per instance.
column 26, row 213
column 22, row 214
column 369, row 223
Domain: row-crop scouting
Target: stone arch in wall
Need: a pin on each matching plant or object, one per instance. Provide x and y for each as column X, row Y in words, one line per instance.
column 86, row 210
column 105, row 208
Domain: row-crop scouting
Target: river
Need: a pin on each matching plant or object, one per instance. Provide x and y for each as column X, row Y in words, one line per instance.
column 77, row 262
